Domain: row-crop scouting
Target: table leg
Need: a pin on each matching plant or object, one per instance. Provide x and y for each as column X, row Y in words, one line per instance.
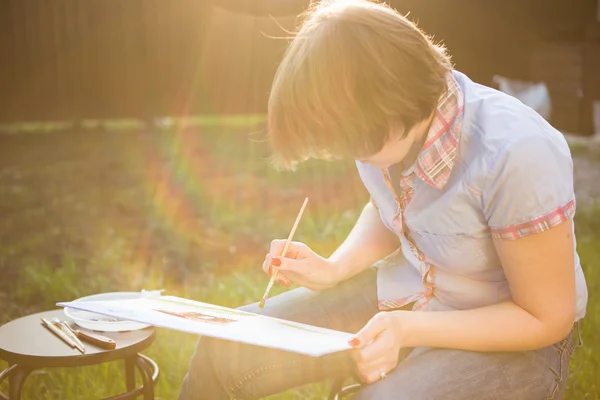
column 16, row 379
column 146, row 373
column 336, row 387
column 130, row 372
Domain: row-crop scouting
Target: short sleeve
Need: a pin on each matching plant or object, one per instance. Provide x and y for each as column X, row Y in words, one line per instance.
column 529, row 187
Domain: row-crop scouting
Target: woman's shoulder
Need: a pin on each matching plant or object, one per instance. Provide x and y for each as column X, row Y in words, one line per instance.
column 519, row 163
column 499, row 128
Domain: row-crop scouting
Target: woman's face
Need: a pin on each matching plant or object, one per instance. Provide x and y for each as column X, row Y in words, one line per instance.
column 400, row 147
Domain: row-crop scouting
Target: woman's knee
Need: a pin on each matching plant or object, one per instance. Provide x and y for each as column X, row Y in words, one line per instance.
column 228, row 360
column 201, row 381
column 245, row 371
column 218, row 369
column 291, row 305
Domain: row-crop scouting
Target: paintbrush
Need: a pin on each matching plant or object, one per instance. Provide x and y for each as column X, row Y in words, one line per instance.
column 283, row 253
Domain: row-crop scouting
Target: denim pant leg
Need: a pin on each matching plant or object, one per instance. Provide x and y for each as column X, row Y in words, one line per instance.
column 229, row 370
column 433, row 374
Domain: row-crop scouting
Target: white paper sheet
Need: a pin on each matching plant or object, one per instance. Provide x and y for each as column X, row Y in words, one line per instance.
column 210, row 320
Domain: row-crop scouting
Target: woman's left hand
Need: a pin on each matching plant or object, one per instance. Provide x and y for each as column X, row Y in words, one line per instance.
column 377, row 346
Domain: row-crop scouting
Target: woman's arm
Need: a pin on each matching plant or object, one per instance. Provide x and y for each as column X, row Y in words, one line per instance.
column 368, row 242
column 540, row 272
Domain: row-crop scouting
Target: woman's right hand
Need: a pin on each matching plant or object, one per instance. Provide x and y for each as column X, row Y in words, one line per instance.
column 302, row 266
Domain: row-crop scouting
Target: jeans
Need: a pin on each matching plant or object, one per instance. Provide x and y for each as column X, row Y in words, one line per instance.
column 221, row 369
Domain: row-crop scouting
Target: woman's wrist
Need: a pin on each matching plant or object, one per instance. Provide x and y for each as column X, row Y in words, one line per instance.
column 339, row 269
column 406, row 330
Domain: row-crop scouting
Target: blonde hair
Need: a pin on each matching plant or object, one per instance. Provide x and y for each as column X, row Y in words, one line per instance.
column 354, row 70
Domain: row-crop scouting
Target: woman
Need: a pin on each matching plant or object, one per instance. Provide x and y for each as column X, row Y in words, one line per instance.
column 461, row 277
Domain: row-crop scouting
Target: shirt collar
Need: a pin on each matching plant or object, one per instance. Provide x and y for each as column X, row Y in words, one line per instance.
column 436, row 159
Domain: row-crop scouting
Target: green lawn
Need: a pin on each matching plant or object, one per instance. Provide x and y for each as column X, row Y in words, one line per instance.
column 189, row 210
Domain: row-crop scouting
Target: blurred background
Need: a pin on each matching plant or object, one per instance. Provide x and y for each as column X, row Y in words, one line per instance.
column 133, row 153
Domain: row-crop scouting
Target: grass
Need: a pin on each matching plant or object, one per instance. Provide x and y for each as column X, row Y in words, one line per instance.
column 190, row 208
column 43, row 127
column 581, row 148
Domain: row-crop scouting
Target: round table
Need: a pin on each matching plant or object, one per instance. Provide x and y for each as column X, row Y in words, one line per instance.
column 27, row 345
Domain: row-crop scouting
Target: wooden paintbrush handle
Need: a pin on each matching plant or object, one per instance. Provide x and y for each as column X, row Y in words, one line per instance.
column 283, row 254
column 58, row 332
column 98, row 340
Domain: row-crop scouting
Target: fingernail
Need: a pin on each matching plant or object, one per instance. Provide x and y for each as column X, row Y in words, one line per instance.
column 354, row 342
column 276, row 261
column 270, row 270
column 285, row 282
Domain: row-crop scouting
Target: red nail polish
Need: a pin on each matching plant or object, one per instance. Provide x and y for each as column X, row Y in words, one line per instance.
column 284, row 282
column 276, row 261
column 270, row 272
column 354, row 342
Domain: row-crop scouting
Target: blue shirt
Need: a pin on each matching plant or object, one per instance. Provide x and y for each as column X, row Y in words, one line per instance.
column 491, row 168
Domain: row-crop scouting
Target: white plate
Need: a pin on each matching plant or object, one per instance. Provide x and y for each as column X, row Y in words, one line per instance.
column 103, row 323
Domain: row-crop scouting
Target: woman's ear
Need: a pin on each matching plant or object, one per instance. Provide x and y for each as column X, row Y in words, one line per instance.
column 397, row 134
column 397, row 131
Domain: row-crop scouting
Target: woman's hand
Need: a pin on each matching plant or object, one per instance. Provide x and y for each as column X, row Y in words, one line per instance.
column 377, row 346
column 301, row 265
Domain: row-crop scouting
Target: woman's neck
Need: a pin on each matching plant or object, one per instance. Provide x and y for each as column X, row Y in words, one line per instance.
column 421, row 131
